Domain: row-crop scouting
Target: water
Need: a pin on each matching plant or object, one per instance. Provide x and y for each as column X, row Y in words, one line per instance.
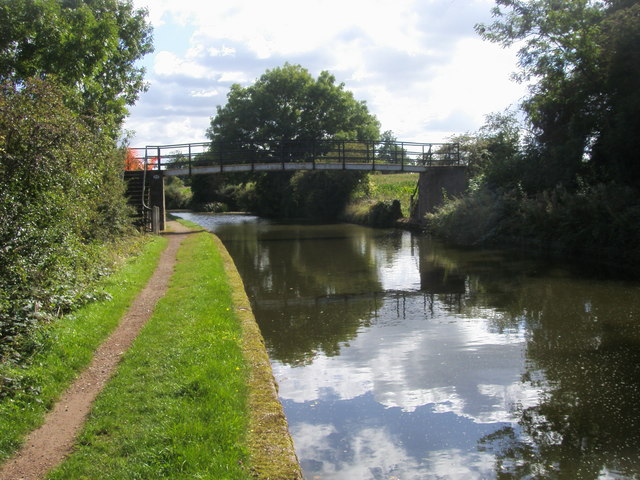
column 400, row 358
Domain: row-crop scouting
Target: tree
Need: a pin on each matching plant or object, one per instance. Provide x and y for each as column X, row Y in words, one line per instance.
column 388, row 150
column 584, row 105
column 132, row 161
column 494, row 153
column 90, row 46
column 287, row 105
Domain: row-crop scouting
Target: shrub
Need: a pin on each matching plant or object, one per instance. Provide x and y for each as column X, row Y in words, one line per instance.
column 176, row 194
column 601, row 220
column 380, row 214
column 214, row 207
column 61, row 199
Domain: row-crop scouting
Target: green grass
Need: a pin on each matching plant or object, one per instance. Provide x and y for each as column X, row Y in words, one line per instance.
column 176, row 407
column 186, row 223
column 389, row 187
column 69, row 346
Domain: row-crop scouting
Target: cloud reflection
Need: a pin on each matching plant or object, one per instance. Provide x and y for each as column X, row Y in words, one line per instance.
column 408, row 397
column 454, row 364
column 375, row 453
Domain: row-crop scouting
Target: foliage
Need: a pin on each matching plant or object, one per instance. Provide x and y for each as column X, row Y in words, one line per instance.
column 495, row 153
column 603, row 218
column 469, row 220
column 570, row 183
column 379, row 214
column 584, row 56
column 323, row 195
column 388, row 150
column 176, row 194
column 132, row 162
column 206, row 188
column 273, row 195
column 381, row 189
column 214, row 207
column 287, row 104
column 61, row 198
column 90, row 46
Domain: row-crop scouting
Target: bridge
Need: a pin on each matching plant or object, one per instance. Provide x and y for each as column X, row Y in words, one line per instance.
column 441, row 169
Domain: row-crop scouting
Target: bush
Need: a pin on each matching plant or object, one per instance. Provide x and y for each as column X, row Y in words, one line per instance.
column 469, row 220
column 214, row 207
column 61, row 199
column 601, row 220
column 176, row 194
column 381, row 214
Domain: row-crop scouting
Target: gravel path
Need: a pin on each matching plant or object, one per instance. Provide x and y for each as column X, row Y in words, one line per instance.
column 46, row 447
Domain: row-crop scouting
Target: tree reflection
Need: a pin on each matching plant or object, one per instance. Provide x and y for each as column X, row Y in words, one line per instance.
column 583, row 349
column 311, row 287
column 314, row 291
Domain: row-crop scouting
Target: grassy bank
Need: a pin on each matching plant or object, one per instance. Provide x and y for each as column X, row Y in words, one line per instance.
column 67, row 346
column 372, row 204
column 176, row 408
column 271, row 448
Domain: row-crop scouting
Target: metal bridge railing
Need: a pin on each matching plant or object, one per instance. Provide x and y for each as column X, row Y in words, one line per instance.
column 187, row 156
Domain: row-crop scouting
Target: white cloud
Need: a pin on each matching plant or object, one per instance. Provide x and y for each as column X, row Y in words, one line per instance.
column 409, row 396
column 233, row 77
column 417, row 63
column 168, row 64
column 204, row 93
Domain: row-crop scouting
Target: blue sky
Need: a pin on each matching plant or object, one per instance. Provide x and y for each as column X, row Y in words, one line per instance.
column 418, row 64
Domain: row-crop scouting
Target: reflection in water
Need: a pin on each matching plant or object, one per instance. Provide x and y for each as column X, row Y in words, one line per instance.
column 400, row 358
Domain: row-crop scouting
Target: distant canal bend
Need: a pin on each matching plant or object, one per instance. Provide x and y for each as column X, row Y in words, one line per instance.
column 398, row 357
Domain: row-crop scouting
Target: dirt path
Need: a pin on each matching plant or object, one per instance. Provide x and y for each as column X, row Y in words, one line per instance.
column 47, row 446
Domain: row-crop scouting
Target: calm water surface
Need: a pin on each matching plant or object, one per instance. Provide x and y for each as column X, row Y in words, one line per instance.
column 400, row 358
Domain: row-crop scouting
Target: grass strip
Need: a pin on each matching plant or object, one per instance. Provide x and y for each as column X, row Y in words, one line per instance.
column 176, row 407
column 69, row 347
column 271, row 448
column 270, row 444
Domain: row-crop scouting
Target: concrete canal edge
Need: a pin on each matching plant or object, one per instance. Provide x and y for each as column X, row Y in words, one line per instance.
column 271, row 447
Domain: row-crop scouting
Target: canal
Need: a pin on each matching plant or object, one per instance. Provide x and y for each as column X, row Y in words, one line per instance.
column 399, row 357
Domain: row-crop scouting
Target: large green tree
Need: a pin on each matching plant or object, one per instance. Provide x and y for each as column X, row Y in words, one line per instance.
column 287, row 106
column 583, row 59
column 89, row 45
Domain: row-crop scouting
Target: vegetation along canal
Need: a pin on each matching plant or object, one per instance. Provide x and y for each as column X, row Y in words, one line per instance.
column 399, row 357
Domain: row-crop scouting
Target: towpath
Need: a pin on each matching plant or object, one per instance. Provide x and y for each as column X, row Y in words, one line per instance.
column 47, row 446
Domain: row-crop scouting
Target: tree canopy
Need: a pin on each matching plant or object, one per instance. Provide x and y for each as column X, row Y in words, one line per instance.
column 287, row 103
column 566, row 180
column 284, row 105
column 90, row 46
column 583, row 58
column 67, row 72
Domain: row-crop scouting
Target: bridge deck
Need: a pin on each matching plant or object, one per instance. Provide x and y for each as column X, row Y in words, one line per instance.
column 207, row 157
column 292, row 166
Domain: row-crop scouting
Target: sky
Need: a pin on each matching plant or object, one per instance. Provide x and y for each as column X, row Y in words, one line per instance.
column 418, row 64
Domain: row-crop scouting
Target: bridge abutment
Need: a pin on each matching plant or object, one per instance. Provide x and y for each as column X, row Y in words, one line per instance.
column 437, row 183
